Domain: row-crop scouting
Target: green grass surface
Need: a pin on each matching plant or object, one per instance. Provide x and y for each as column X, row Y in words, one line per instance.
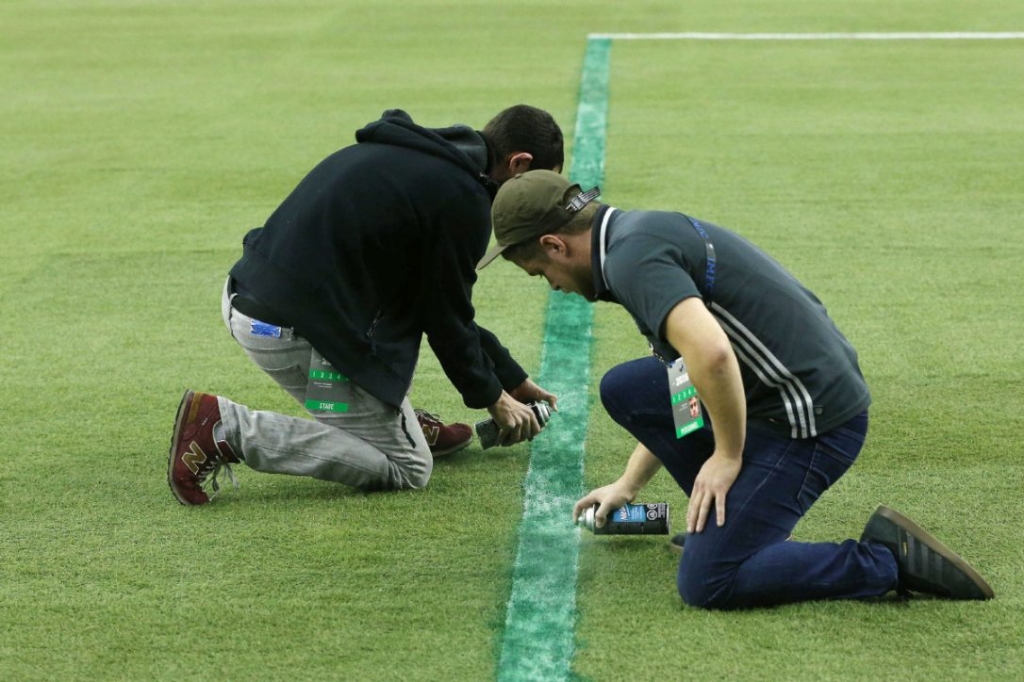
column 139, row 141
column 889, row 178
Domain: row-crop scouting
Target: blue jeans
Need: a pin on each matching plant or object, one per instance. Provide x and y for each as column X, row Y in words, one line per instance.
column 748, row 561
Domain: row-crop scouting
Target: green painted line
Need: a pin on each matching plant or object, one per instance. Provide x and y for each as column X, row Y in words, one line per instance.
column 538, row 641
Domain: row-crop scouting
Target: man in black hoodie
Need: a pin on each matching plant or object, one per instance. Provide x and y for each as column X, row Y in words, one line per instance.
column 375, row 248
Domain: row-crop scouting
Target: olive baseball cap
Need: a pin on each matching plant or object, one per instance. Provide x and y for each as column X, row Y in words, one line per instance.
column 532, row 204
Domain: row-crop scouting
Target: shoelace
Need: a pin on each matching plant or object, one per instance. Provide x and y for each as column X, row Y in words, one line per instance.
column 215, row 484
column 214, row 467
column 427, row 416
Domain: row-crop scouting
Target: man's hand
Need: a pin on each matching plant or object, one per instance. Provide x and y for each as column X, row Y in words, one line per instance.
column 710, row 487
column 516, row 421
column 529, row 392
column 609, row 498
column 640, row 469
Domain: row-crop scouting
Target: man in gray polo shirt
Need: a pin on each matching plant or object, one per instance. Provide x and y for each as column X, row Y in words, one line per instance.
column 753, row 399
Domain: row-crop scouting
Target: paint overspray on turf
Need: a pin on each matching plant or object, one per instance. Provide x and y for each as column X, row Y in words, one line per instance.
column 538, row 641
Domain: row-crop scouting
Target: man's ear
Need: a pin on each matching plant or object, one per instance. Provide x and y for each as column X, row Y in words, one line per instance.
column 519, row 162
column 554, row 246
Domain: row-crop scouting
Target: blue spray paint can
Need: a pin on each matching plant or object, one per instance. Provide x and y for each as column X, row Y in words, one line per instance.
column 650, row 518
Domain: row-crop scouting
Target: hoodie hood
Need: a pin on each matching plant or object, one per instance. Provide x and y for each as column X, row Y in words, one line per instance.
column 459, row 144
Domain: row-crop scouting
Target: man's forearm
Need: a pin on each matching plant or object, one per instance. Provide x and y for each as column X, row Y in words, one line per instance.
column 640, row 469
column 508, row 371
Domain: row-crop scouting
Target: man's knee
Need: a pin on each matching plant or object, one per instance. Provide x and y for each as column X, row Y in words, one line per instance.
column 609, row 385
column 702, row 588
column 414, row 473
column 417, row 477
column 616, row 384
column 640, row 382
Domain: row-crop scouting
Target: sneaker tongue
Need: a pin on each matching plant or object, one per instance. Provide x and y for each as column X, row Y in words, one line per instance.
column 428, row 417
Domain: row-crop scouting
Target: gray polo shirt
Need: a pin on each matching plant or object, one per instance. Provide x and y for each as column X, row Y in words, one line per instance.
column 798, row 369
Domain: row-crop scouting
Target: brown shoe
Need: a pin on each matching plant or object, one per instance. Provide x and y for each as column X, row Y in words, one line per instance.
column 195, row 453
column 443, row 439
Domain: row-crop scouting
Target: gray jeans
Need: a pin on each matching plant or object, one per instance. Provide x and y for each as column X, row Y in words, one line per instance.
column 372, row 446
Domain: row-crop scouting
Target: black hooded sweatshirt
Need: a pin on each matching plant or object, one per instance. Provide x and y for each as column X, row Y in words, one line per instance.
column 376, row 247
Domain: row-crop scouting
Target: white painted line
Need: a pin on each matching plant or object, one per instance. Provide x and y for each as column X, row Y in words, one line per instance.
column 810, row 36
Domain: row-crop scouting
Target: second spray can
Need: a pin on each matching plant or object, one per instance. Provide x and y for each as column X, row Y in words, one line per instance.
column 487, row 430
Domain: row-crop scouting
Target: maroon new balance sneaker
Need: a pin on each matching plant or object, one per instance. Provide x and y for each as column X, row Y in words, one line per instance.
column 195, row 453
column 443, row 439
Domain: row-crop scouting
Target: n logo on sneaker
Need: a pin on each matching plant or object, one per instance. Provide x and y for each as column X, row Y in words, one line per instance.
column 431, row 433
column 194, row 457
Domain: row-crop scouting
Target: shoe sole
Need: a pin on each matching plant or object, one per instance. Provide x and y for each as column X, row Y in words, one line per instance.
column 175, row 440
column 933, row 543
column 451, row 450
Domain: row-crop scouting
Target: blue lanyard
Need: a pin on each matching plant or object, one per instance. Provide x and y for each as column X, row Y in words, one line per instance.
column 709, row 273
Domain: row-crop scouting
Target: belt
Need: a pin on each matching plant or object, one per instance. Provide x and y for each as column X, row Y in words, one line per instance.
column 254, row 309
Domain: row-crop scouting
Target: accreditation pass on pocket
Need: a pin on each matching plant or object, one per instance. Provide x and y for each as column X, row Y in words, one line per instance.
column 327, row 390
column 686, row 409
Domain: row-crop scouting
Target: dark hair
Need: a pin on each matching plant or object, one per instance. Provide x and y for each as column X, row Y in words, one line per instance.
column 522, row 128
